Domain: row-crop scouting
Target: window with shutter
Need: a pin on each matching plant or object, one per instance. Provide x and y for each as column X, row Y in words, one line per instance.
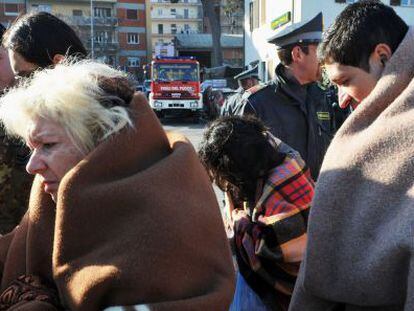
column 132, row 38
column 131, row 14
column 133, row 62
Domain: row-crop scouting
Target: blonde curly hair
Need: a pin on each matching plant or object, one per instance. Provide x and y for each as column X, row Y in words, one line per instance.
column 89, row 100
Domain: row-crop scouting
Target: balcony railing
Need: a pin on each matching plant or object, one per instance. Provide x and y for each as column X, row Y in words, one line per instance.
column 84, row 1
column 102, row 46
column 182, row 2
column 178, row 16
column 86, row 20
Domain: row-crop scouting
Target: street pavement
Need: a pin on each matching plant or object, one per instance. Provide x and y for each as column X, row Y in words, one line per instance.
column 193, row 131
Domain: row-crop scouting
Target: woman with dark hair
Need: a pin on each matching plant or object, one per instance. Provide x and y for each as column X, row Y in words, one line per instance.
column 39, row 40
column 6, row 74
column 269, row 191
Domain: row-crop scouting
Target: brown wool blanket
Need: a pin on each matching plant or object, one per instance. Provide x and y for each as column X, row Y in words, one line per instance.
column 136, row 222
column 360, row 253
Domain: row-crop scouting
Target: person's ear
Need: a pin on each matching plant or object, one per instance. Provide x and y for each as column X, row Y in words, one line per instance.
column 381, row 54
column 296, row 54
column 58, row 58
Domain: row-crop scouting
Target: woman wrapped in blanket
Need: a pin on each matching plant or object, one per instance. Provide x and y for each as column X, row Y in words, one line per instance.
column 269, row 190
column 120, row 213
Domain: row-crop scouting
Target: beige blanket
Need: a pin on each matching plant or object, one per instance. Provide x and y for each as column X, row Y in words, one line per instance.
column 361, row 229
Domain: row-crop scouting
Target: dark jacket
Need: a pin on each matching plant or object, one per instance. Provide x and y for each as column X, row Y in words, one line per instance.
column 299, row 115
column 15, row 182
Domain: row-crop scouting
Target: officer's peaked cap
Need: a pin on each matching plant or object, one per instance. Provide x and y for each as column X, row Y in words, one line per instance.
column 306, row 32
column 248, row 73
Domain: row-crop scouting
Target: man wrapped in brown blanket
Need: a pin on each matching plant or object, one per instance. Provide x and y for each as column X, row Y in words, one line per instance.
column 134, row 222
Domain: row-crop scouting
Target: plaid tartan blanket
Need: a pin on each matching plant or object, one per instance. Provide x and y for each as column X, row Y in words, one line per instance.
column 270, row 237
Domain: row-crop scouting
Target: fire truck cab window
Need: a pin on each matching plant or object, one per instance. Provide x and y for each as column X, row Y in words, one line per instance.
column 175, row 72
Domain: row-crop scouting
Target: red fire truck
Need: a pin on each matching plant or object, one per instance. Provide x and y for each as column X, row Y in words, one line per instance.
column 175, row 86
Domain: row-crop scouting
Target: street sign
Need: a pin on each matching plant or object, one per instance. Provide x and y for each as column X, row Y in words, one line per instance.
column 281, row 20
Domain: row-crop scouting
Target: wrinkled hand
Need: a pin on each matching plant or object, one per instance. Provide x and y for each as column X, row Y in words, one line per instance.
column 238, row 214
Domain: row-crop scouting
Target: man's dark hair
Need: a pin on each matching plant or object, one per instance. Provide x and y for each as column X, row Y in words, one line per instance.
column 236, row 152
column 38, row 37
column 355, row 33
column 285, row 54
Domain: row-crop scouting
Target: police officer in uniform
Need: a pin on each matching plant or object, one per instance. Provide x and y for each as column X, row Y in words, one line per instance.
column 246, row 80
column 295, row 108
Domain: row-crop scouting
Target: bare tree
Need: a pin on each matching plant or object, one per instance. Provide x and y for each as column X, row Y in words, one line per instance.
column 231, row 9
column 212, row 11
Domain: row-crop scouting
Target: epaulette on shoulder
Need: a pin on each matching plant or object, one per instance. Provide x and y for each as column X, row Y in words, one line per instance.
column 254, row 90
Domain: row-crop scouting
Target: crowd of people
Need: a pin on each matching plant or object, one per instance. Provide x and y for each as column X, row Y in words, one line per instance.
column 122, row 215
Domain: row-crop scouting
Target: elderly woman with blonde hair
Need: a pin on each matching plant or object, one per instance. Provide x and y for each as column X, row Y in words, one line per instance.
column 120, row 214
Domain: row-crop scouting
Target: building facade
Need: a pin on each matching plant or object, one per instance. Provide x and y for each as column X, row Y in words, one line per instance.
column 10, row 9
column 232, row 28
column 78, row 15
column 201, row 46
column 132, row 32
column 116, row 33
column 169, row 19
column 264, row 18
